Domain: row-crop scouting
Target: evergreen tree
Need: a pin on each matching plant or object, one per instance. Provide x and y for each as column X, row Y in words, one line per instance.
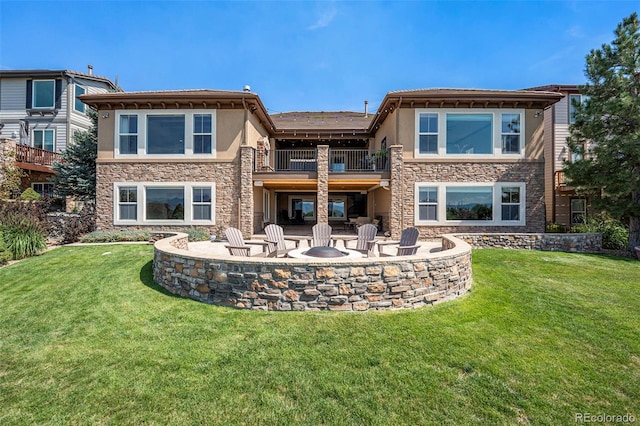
column 606, row 133
column 76, row 177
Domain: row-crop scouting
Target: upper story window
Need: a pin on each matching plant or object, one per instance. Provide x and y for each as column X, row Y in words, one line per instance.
column 469, row 132
column 44, row 139
column 79, row 105
column 44, row 94
column 176, row 133
column 573, row 100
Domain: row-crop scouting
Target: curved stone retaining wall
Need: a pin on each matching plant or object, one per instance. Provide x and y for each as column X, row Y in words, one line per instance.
column 286, row 284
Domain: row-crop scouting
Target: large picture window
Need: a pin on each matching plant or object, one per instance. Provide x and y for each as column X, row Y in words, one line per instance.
column 470, row 203
column 165, row 134
column 168, row 134
column 469, row 133
column 168, row 203
column 465, row 132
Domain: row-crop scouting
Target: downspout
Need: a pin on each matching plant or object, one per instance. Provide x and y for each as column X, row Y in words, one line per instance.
column 246, row 123
column 553, row 163
column 402, row 171
column 68, row 116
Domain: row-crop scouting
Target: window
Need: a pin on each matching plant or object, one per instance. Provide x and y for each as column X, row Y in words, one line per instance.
column 128, row 203
column 164, row 203
column 465, row 132
column 168, row 134
column 510, row 133
column 79, row 105
column 266, row 205
column 510, row 203
column 578, row 211
column 44, row 139
column 573, row 99
column 44, row 94
column 428, row 133
column 128, row 134
column 469, row 133
column 202, row 133
column 165, row 134
column 169, row 203
column 470, row 203
column 428, row 203
column 45, row 189
column 337, row 209
column 202, row 203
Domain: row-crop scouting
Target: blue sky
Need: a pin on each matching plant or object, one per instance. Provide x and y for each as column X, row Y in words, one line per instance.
column 311, row 56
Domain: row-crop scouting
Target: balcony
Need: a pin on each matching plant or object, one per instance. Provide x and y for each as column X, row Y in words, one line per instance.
column 561, row 183
column 306, row 160
column 31, row 158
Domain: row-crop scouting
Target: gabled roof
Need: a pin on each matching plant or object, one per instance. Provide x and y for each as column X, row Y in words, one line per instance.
column 54, row 74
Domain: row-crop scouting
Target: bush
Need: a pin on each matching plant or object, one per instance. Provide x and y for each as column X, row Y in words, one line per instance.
column 615, row 236
column 556, row 228
column 76, row 225
column 24, row 236
column 5, row 254
column 115, row 236
column 196, row 234
column 30, row 195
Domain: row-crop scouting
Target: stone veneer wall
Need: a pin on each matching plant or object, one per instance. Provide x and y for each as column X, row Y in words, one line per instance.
column 530, row 172
column 303, row 285
column 579, row 243
column 224, row 174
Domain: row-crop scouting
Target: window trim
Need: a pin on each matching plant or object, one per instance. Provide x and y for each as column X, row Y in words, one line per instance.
column 33, row 138
column 142, row 132
column 572, row 118
column 53, row 190
column 496, row 150
column 427, row 203
column 142, row 204
column 571, row 211
column 76, row 100
column 441, row 212
column 33, row 94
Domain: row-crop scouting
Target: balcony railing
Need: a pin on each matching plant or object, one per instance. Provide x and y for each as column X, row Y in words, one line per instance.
column 30, row 155
column 561, row 182
column 306, row 160
column 356, row 160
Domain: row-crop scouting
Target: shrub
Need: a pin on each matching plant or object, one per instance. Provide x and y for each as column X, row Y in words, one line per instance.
column 5, row 254
column 115, row 236
column 30, row 195
column 196, row 234
column 615, row 236
column 24, row 236
column 75, row 225
column 556, row 228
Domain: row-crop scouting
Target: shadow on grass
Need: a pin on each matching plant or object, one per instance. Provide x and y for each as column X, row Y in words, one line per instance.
column 146, row 277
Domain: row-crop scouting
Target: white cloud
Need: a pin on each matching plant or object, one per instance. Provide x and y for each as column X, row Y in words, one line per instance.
column 575, row 32
column 325, row 18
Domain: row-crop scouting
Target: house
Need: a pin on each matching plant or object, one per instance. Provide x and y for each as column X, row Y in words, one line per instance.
column 563, row 206
column 40, row 110
column 440, row 159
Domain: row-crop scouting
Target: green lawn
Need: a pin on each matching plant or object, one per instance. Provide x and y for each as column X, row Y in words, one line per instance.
column 86, row 337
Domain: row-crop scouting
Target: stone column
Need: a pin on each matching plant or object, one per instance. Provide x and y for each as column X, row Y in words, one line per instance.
column 322, row 209
column 245, row 214
column 396, row 210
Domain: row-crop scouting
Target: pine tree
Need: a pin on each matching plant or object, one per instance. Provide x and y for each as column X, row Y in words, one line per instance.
column 76, row 176
column 606, row 133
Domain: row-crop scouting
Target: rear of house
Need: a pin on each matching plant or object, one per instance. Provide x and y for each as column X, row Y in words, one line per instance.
column 440, row 159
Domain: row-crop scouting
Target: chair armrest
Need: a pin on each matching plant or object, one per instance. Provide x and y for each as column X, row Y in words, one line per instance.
column 386, row 243
column 295, row 240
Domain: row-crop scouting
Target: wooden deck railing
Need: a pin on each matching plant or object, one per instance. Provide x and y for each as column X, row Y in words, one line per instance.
column 30, row 155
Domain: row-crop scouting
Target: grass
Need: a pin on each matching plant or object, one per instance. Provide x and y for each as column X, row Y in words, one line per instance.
column 86, row 337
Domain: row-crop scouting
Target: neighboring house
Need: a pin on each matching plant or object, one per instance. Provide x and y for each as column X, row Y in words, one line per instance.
column 440, row 159
column 40, row 110
column 563, row 206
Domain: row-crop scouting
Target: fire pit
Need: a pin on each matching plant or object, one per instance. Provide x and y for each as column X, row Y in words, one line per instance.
column 324, row 253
